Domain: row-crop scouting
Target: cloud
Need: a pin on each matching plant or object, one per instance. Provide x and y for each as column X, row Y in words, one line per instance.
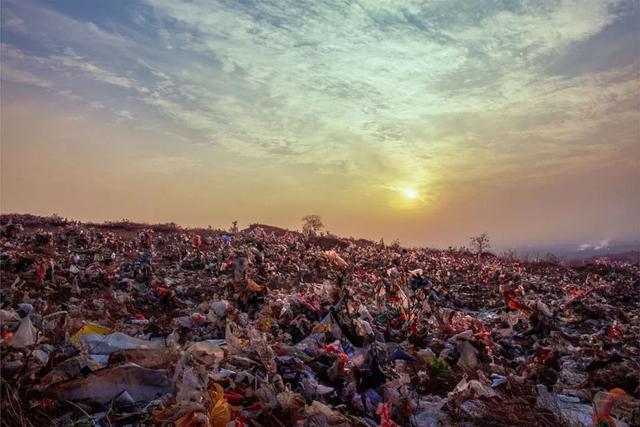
column 16, row 24
column 11, row 74
column 34, row 20
column 59, row 73
column 95, row 72
column 124, row 114
column 603, row 244
column 358, row 69
column 168, row 165
column 273, row 78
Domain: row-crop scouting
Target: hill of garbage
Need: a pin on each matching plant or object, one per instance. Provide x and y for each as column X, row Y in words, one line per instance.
column 132, row 324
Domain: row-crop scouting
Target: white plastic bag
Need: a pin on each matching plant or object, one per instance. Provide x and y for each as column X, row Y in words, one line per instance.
column 26, row 334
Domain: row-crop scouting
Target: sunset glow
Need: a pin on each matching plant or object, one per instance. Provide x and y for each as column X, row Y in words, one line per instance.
column 410, row 193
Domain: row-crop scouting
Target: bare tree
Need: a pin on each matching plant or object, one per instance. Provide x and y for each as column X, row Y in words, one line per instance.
column 234, row 227
column 480, row 243
column 312, row 224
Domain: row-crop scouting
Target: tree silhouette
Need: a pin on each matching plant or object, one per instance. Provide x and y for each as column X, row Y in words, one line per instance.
column 480, row 243
column 312, row 224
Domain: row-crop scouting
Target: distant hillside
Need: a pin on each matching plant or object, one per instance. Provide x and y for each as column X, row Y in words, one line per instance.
column 632, row 257
column 277, row 231
column 627, row 250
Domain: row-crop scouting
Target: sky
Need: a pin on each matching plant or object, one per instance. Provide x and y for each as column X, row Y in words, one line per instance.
column 426, row 121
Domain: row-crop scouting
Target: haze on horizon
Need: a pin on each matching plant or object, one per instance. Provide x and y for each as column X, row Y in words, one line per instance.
column 427, row 121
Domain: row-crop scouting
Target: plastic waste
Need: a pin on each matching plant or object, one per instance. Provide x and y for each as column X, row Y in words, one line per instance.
column 264, row 350
column 384, row 410
column 124, row 399
column 567, row 408
column 253, row 286
column 312, row 389
column 208, row 353
column 400, row 354
column 70, row 369
column 309, row 338
column 104, row 385
column 336, row 259
column 603, row 404
column 497, row 380
column 26, row 334
column 429, row 413
column 468, row 356
column 107, row 344
column 220, row 307
column 232, row 338
column 190, row 386
column 89, row 328
column 471, row 389
column 219, row 411
column 192, row 419
column 8, row 316
column 474, row 408
column 41, row 357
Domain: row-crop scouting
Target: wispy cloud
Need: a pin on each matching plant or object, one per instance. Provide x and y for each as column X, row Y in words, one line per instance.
column 95, row 72
column 362, row 69
column 262, row 74
column 603, row 244
column 35, row 20
column 21, row 76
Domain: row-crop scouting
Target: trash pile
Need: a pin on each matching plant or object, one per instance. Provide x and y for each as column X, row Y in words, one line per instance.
column 104, row 325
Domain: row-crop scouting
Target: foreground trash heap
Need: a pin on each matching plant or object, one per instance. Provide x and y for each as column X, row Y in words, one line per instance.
column 124, row 325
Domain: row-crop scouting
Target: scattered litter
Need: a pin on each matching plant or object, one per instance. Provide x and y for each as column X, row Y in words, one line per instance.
column 125, row 324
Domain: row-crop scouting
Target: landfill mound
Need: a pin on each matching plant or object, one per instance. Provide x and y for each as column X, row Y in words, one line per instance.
column 127, row 324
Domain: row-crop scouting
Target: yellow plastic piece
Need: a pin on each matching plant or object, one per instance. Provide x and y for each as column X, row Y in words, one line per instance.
column 89, row 328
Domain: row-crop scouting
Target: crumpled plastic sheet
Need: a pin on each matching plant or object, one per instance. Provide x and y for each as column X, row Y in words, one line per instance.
column 104, row 385
column 568, row 408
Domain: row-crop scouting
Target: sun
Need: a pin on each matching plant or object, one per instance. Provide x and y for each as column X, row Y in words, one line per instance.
column 410, row 193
